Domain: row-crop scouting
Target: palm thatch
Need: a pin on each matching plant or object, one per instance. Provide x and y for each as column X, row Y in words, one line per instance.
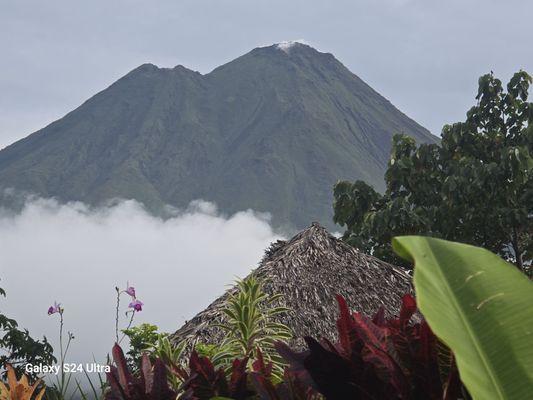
column 309, row 270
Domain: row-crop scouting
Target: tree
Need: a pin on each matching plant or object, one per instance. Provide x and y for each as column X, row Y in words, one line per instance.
column 476, row 186
column 18, row 348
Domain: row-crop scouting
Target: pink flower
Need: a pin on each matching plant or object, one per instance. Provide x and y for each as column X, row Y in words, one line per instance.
column 137, row 305
column 130, row 290
column 56, row 308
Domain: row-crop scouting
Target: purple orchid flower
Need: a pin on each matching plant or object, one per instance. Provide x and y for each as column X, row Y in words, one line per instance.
column 130, row 290
column 137, row 305
column 56, row 308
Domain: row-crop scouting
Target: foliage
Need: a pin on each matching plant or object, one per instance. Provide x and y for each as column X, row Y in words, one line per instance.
column 143, row 338
column 19, row 389
column 150, row 385
column 206, row 349
column 475, row 187
column 203, row 381
column 170, row 355
column 250, row 326
column 20, row 348
column 377, row 359
column 290, row 388
column 481, row 307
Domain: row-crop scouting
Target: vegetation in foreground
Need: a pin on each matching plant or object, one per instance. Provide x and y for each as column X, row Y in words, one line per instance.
column 450, row 354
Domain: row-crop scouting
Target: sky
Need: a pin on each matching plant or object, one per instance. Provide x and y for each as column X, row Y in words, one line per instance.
column 425, row 56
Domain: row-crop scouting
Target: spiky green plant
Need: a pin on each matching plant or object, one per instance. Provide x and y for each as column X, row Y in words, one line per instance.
column 172, row 356
column 250, row 326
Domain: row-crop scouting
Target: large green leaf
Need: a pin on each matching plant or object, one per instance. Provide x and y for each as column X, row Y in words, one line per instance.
column 482, row 308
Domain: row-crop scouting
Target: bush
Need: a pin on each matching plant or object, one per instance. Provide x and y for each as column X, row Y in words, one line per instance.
column 377, row 358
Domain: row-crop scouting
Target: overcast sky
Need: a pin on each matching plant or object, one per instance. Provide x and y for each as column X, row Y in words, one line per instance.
column 423, row 55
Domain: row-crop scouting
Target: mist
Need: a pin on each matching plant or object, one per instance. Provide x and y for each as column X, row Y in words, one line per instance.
column 76, row 256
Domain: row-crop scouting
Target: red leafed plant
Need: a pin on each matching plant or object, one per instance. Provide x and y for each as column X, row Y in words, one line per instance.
column 202, row 381
column 290, row 388
column 377, row 358
column 151, row 384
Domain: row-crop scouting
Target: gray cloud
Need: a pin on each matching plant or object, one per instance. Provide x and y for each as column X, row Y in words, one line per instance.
column 76, row 256
column 424, row 56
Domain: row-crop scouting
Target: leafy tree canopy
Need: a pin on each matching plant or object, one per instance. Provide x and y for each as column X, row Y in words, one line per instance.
column 476, row 186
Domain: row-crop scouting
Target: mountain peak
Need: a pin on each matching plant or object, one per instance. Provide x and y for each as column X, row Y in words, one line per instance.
column 272, row 131
column 286, row 46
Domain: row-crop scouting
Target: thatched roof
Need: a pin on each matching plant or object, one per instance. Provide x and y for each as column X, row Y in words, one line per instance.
column 309, row 270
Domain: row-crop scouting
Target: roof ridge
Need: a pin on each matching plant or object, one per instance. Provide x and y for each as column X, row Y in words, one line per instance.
column 308, row 270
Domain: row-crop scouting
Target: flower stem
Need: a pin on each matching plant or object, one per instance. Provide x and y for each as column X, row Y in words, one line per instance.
column 117, row 314
column 62, row 387
column 128, row 327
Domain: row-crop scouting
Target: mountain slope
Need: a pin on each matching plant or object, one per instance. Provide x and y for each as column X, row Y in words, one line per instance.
column 272, row 130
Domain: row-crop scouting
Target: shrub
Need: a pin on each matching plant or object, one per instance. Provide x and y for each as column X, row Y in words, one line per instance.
column 377, row 358
column 250, row 327
column 142, row 339
column 204, row 381
column 151, row 384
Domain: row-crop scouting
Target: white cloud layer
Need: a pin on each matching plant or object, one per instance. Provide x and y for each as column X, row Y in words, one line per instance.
column 76, row 256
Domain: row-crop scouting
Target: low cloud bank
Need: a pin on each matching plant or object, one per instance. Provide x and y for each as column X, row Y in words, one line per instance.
column 76, row 256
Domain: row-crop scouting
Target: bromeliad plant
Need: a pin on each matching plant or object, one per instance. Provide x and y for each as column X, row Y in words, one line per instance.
column 251, row 328
column 20, row 389
column 377, row 358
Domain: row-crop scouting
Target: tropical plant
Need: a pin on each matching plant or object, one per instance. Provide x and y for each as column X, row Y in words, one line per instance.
column 171, row 355
column 475, row 187
column 204, row 381
column 291, row 386
column 208, row 350
column 151, row 384
column 143, row 339
column 250, row 326
column 18, row 348
column 20, row 389
column 481, row 307
column 377, row 359
column 245, row 381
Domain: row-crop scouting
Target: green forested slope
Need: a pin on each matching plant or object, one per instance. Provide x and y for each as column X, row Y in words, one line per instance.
column 272, row 130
